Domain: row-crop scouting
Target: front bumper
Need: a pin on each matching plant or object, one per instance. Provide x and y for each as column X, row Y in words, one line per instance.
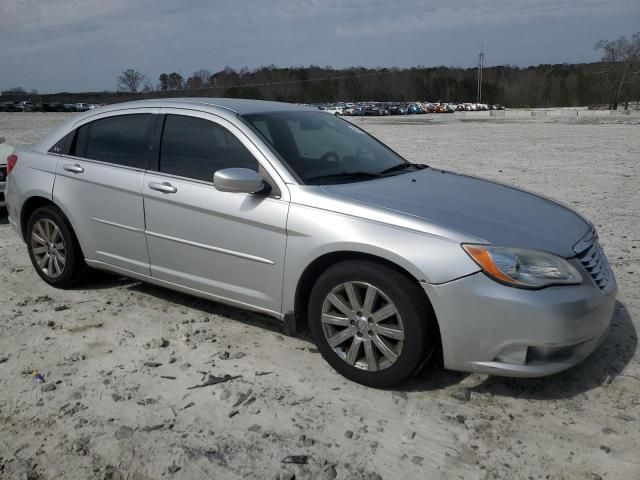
column 491, row 328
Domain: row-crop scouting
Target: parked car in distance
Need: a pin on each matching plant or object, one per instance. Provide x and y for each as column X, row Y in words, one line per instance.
column 82, row 107
column 334, row 110
column 25, row 106
column 301, row 215
column 415, row 109
column 55, row 107
column 8, row 107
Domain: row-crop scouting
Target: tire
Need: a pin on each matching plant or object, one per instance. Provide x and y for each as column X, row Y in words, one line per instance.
column 407, row 331
column 50, row 224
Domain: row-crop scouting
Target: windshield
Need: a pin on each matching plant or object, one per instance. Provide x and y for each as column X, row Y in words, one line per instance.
column 324, row 149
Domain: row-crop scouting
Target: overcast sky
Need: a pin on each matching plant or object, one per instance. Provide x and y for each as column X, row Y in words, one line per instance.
column 80, row 45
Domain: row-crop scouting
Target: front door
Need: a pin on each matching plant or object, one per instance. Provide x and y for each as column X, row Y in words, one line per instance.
column 228, row 245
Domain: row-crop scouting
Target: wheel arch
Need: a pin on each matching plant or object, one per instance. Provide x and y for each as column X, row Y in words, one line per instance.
column 32, row 204
column 297, row 322
column 28, row 207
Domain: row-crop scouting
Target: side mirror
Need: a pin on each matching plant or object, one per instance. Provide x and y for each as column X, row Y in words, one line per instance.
column 239, row 180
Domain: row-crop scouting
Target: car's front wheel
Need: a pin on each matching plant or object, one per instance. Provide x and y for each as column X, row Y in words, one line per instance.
column 53, row 248
column 370, row 322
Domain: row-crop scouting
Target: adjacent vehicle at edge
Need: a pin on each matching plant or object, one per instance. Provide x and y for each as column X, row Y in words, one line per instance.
column 5, row 150
column 301, row 215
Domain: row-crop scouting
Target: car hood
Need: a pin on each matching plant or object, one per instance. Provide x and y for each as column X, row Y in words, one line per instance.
column 500, row 214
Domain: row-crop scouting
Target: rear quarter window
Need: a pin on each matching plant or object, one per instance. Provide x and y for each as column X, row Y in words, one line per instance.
column 63, row 145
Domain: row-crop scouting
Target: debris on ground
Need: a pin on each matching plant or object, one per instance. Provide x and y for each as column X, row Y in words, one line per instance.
column 462, row 394
column 213, row 380
column 296, row 459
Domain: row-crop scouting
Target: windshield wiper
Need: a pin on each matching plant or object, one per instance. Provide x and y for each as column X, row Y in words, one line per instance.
column 402, row 166
column 344, row 176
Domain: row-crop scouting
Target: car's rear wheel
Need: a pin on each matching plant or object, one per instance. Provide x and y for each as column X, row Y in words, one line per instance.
column 53, row 247
column 370, row 322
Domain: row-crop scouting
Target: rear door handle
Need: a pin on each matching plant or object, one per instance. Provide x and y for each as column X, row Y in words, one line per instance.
column 164, row 187
column 75, row 168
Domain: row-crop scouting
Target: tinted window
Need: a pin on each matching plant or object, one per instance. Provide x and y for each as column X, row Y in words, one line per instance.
column 123, row 140
column 196, row 148
column 263, row 128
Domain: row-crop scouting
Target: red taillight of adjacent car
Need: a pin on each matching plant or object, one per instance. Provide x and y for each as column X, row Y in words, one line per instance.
column 11, row 162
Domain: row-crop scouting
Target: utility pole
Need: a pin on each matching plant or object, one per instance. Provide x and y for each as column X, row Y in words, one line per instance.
column 480, row 67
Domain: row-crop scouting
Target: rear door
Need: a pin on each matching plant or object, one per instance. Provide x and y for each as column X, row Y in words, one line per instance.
column 228, row 245
column 99, row 187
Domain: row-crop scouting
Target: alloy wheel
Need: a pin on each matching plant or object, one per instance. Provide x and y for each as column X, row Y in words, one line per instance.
column 362, row 326
column 48, row 247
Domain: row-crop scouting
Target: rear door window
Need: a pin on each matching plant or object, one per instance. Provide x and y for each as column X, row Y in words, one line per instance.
column 121, row 140
column 196, row 148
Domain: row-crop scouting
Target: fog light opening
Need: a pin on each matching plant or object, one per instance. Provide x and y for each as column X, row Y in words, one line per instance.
column 515, row 355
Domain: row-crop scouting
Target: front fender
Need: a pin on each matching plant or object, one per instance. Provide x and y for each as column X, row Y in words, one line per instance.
column 314, row 232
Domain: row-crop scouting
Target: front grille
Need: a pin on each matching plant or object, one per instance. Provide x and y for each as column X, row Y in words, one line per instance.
column 595, row 261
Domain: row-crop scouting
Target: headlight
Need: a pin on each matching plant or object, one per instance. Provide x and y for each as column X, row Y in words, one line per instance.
column 523, row 268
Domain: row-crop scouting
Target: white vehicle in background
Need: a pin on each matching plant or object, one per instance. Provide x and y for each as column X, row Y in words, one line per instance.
column 5, row 151
column 348, row 109
column 335, row 110
column 83, row 107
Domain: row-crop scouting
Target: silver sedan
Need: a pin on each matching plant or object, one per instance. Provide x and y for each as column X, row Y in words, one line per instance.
column 301, row 215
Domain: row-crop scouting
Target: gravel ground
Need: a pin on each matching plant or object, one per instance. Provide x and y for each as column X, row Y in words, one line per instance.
column 119, row 357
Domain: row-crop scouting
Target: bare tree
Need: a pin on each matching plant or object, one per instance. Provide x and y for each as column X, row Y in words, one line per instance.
column 130, row 80
column 203, row 75
column 621, row 58
column 147, row 85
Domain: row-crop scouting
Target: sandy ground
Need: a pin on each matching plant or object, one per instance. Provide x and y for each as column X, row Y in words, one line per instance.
column 122, row 355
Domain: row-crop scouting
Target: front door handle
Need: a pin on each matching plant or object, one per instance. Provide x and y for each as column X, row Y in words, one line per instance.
column 73, row 168
column 164, row 187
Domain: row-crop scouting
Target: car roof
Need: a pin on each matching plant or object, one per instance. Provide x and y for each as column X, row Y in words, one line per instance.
column 233, row 106
column 240, row 106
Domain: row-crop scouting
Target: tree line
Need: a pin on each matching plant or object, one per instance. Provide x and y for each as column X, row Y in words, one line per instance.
column 615, row 79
